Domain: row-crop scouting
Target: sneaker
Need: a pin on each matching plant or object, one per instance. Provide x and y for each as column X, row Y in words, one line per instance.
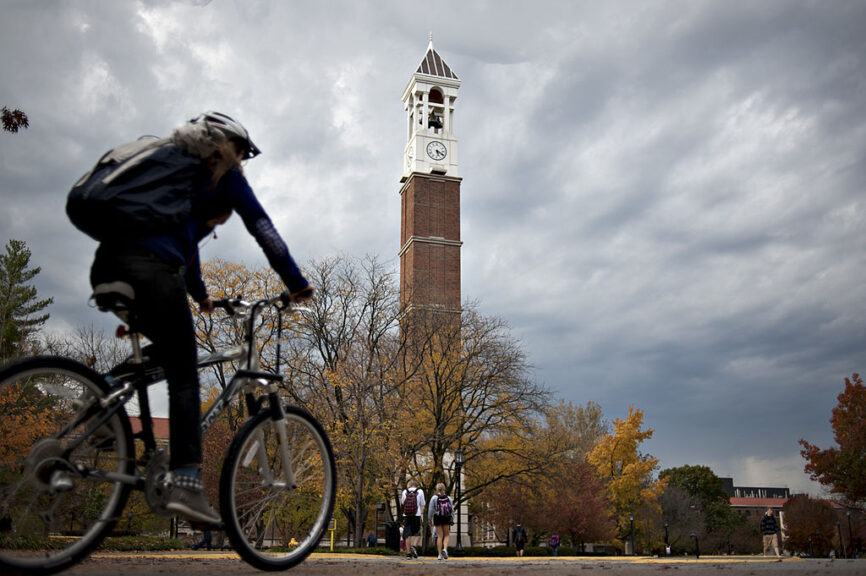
column 61, row 482
column 445, row 553
column 187, row 498
column 414, row 552
column 440, row 557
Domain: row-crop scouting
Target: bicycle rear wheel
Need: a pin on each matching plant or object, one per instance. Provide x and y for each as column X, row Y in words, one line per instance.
column 57, row 501
column 272, row 525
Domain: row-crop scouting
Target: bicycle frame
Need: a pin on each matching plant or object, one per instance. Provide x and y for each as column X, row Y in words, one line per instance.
column 243, row 380
column 277, row 485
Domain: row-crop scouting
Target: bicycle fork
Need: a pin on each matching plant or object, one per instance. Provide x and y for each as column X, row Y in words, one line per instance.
column 259, row 451
column 278, row 417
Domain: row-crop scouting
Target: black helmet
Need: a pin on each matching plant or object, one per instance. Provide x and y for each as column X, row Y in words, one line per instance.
column 231, row 128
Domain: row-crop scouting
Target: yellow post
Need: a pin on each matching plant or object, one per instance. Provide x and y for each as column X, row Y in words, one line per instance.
column 332, row 530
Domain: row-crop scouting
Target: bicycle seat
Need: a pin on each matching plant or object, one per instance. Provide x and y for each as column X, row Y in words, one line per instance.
column 117, row 297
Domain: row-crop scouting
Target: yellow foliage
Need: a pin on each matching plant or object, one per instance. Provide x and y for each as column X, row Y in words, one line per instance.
column 627, row 473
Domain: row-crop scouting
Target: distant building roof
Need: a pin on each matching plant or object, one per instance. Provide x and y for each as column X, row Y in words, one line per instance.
column 753, row 491
column 160, row 427
column 758, row 502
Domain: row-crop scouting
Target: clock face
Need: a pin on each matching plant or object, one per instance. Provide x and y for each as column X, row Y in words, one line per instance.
column 436, row 150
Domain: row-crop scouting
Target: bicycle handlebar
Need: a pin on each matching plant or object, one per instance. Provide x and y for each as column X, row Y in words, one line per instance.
column 237, row 304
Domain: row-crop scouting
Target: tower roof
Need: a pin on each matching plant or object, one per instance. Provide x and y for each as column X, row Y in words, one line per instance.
column 434, row 65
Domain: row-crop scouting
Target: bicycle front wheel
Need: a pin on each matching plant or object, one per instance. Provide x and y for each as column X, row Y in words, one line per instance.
column 60, row 464
column 276, row 511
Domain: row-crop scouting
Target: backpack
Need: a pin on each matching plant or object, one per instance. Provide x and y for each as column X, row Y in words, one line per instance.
column 444, row 507
column 410, row 505
column 519, row 535
column 139, row 188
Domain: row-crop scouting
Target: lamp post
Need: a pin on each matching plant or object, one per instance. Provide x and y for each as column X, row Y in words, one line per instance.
column 458, row 466
column 850, row 533
column 667, row 541
column 631, row 535
column 841, row 542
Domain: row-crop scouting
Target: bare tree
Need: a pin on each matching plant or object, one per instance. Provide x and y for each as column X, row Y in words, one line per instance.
column 89, row 346
column 343, row 366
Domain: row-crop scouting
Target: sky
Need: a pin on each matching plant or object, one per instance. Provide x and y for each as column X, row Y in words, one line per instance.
column 664, row 200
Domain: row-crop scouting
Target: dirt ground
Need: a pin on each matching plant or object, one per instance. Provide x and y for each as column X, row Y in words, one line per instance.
column 219, row 563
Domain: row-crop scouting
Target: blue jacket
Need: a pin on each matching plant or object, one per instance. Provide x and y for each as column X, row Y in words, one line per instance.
column 233, row 193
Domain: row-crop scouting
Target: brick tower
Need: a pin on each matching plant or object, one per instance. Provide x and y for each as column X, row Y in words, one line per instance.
column 430, row 193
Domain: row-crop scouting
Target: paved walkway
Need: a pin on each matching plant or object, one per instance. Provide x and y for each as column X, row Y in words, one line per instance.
column 200, row 563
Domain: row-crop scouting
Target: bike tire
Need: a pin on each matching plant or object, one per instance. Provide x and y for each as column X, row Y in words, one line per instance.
column 270, row 526
column 56, row 505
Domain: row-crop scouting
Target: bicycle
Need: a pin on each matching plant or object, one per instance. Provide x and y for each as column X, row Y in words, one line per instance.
column 71, row 463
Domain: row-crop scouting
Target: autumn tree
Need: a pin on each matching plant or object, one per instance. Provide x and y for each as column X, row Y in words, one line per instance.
column 470, row 389
column 628, row 474
column 24, row 408
column 20, row 309
column 342, row 362
column 576, row 506
column 843, row 468
column 810, row 526
column 573, row 501
column 13, row 120
column 543, row 482
column 218, row 331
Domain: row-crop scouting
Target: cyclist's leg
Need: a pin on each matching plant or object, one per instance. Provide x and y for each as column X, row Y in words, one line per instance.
column 165, row 318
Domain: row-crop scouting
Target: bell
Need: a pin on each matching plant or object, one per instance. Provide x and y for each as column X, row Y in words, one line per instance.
column 435, row 122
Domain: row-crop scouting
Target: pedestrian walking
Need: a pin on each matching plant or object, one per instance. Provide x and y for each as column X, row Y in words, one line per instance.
column 554, row 544
column 518, row 536
column 769, row 528
column 413, row 503
column 440, row 515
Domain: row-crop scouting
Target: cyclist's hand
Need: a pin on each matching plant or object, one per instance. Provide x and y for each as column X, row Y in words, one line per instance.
column 206, row 305
column 302, row 295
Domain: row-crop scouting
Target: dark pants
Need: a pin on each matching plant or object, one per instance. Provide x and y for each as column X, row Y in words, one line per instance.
column 165, row 318
column 206, row 541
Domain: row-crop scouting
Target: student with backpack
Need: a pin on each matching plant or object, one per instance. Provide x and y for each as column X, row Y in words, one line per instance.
column 160, row 264
column 412, row 500
column 440, row 514
column 518, row 536
column 553, row 542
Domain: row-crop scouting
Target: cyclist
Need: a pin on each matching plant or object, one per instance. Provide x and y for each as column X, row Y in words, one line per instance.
column 163, row 268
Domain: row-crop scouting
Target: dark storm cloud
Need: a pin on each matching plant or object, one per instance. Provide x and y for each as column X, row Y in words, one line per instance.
column 664, row 200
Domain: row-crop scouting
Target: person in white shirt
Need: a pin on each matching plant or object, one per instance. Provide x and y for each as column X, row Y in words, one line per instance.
column 412, row 500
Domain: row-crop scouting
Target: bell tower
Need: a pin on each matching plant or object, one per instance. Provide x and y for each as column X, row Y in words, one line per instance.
column 430, row 193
